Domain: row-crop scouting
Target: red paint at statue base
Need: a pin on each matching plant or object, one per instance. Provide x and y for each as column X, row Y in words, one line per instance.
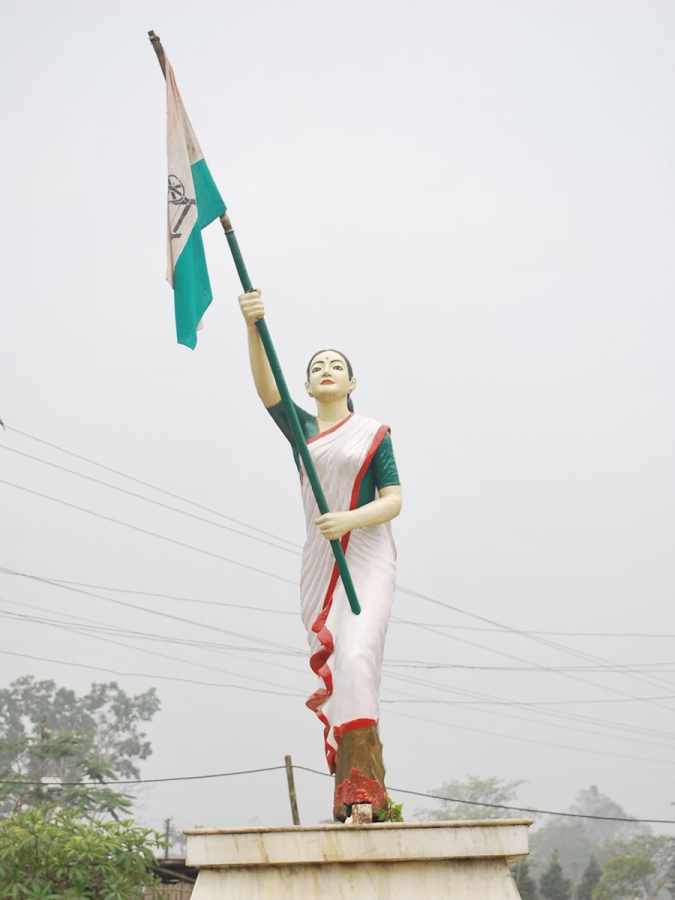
column 359, row 789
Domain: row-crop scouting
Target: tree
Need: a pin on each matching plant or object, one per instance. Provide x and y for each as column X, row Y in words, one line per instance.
column 625, row 878
column 589, row 880
column 568, row 840
column 107, row 716
column 593, row 803
column 87, row 791
column 575, row 840
column 462, row 795
column 527, row 886
column 553, row 885
column 48, row 853
column 639, row 868
column 51, row 736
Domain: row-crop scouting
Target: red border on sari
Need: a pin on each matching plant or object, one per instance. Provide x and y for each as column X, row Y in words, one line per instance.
column 319, row 660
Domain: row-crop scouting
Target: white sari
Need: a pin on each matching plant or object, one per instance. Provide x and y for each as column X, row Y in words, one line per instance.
column 346, row 649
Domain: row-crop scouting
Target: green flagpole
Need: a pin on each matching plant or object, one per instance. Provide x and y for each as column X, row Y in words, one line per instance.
column 290, row 410
column 289, row 406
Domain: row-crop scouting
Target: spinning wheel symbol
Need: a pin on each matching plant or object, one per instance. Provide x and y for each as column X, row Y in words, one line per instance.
column 177, row 198
column 176, row 190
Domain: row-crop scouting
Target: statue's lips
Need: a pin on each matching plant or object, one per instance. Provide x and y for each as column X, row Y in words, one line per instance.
column 327, row 381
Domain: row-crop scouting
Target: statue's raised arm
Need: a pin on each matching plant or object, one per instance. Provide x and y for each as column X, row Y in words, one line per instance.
column 253, row 309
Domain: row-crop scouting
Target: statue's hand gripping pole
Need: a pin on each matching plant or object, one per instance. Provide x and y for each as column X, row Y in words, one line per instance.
column 292, row 415
column 289, row 407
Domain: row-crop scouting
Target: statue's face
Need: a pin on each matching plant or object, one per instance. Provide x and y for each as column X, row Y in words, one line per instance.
column 329, row 377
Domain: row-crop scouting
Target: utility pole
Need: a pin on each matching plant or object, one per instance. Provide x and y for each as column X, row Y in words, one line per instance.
column 291, row 791
column 167, row 836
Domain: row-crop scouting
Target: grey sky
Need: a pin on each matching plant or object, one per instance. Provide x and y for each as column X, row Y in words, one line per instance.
column 475, row 201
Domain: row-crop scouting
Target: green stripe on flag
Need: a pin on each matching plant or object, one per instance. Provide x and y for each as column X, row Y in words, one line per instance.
column 191, row 286
column 210, row 204
column 191, row 289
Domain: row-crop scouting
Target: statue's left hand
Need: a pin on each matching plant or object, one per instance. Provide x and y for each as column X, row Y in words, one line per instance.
column 334, row 524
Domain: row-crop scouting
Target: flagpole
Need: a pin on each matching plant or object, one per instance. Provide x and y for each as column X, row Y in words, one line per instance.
column 289, row 406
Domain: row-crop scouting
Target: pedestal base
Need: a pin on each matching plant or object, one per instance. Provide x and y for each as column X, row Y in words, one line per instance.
column 458, row 860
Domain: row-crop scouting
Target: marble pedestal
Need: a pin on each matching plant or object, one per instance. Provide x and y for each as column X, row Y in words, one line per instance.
column 458, row 860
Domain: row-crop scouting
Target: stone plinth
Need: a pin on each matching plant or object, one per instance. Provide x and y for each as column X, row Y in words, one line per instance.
column 458, row 860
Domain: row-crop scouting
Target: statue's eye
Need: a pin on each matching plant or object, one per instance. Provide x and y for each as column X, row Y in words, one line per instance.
column 338, row 366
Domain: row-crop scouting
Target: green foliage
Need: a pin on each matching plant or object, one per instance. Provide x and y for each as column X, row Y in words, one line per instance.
column 393, row 812
column 49, row 854
column 87, row 794
column 553, row 885
column 527, row 886
column 589, row 880
column 477, row 790
column 51, row 736
column 639, row 868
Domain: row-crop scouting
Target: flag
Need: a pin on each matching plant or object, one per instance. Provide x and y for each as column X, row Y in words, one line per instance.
column 193, row 202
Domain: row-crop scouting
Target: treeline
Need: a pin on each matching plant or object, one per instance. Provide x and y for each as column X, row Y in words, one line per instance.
column 582, row 858
column 64, row 830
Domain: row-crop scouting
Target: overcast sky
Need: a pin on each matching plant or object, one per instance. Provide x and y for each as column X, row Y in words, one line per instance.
column 476, row 202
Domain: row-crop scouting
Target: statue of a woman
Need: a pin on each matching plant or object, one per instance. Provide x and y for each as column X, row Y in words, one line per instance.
column 355, row 463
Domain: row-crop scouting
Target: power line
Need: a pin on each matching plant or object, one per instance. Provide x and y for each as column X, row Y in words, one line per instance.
column 623, row 669
column 500, row 628
column 451, row 637
column 149, row 533
column 517, row 737
column 64, row 662
column 539, row 640
column 445, row 799
column 472, row 703
column 521, row 659
column 599, row 669
column 145, row 484
column 154, row 612
column 122, row 490
column 652, row 681
column 498, row 700
column 140, row 635
column 173, row 658
column 523, row 632
column 501, row 701
column 224, row 603
column 515, row 704
column 215, row 648
column 392, row 712
column 147, row 780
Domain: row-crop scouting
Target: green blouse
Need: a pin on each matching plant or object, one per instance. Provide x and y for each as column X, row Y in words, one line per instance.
column 381, row 472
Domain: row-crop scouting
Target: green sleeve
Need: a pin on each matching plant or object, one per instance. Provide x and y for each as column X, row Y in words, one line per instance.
column 384, row 464
column 382, row 472
column 308, row 424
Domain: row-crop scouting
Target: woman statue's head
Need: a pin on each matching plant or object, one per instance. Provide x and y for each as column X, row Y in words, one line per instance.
column 330, row 377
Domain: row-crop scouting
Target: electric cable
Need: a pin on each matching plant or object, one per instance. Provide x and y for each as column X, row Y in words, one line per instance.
column 122, row 490
column 64, row 662
column 602, row 723
column 149, row 533
column 148, row 485
column 173, row 658
column 445, row 799
column 652, row 682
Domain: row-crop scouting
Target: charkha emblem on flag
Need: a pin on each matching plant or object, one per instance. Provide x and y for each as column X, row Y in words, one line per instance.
column 193, row 202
